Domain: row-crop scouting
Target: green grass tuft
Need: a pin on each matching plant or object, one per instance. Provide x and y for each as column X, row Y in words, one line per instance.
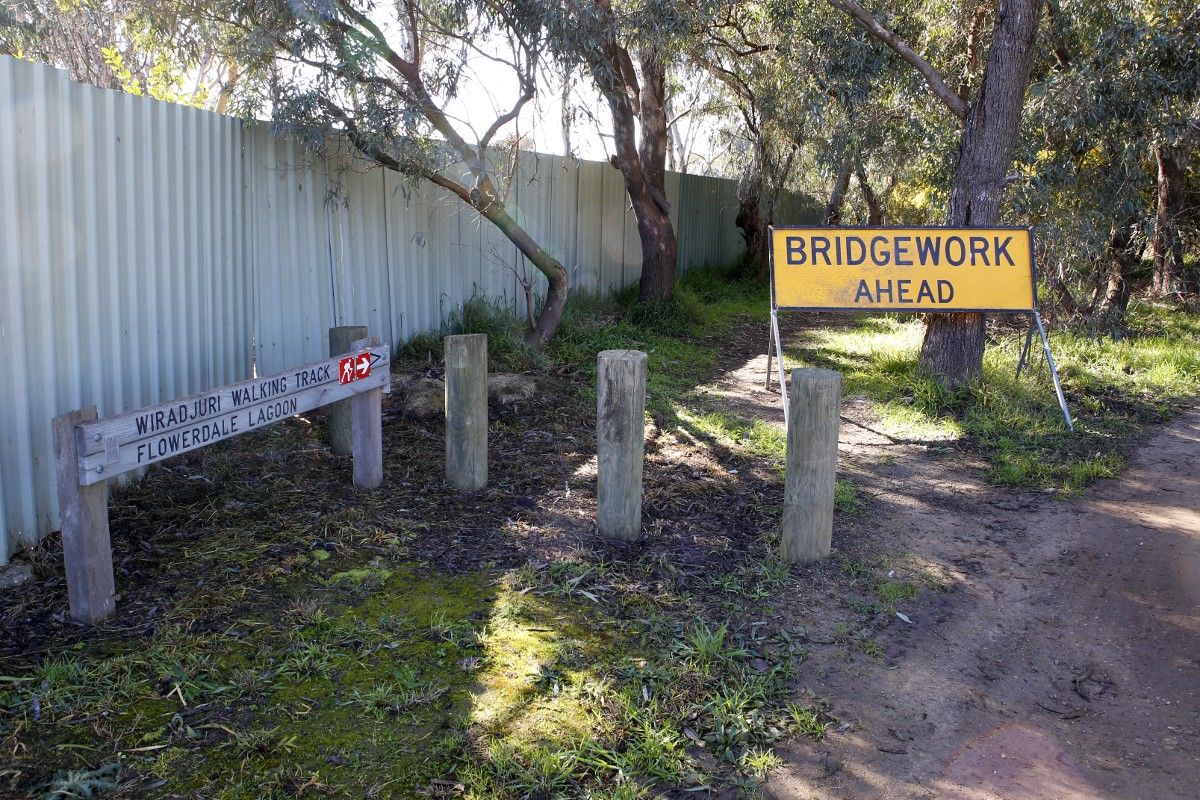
column 812, row 722
column 679, row 336
column 845, row 497
column 1115, row 387
column 892, row 592
column 507, row 350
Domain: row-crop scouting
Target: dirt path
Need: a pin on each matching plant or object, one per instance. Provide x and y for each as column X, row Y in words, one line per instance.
column 1064, row 663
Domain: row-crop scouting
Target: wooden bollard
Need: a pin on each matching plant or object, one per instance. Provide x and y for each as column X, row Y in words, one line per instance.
column 620, row 432
column 812, row 454
column 341, row 434
column 87, row 548
column 466, row 411
column 366, row 430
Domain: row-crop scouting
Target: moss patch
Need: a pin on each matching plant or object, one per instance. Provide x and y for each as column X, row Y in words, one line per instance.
column 405, row 680
column 382, row 693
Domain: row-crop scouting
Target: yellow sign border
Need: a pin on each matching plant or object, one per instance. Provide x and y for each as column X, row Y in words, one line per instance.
column 893, row 308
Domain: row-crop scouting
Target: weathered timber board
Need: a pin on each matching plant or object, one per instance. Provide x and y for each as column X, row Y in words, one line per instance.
column 111, row 446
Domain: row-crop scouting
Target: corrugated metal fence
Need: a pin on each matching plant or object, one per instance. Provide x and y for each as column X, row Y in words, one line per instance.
column 122, row 266
column 146, row 247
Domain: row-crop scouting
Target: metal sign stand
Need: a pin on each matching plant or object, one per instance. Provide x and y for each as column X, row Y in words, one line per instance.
column 775, row 343
column 1024, row 357
column 1036, row 324
column 1014, row 303
column 774, row 340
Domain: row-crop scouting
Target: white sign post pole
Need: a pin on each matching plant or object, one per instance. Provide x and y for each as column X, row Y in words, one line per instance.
column 1062, row 400
column 783, row 390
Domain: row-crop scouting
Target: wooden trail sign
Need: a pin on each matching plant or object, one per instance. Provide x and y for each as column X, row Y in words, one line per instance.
column 111, row 446
column 89, row 451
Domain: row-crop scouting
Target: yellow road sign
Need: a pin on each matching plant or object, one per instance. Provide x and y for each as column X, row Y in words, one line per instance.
column 903, row 269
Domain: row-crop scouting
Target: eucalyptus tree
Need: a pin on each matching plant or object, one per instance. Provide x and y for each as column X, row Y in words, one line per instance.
column 1171, row 159
column 629, row 50
column 1174, row 81
column 1113, row 118
column 741, row 51
column 67, row 38
column 113, row 45
column 989, row 112
column 814, row 100
column 867, row 118
column 384, row 78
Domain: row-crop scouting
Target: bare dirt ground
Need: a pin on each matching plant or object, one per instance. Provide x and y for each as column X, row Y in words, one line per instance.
column 1062, row 664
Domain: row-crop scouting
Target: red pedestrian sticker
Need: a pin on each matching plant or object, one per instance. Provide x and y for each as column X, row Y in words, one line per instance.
column 354, row 368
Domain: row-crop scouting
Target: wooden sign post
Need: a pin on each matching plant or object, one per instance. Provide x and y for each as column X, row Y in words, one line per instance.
column 89, row 451
column 620, row 441
column 812, row 454
column 341, row 340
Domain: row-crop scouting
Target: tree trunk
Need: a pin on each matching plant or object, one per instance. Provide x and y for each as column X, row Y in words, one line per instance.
column 660, row 250
column 566, row 116
column 756, row 194
column 751, row 220
column 1062, row 54
column 644, row 170
column 556, row 275
column 1168, row 245
column 837, row 195
column 953, row 345
column 1121, row 259
column 1062, row 294
column 233, row 75
column 874, row 207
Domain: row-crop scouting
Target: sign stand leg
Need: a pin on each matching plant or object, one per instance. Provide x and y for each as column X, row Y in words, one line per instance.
column 87, row 548
column 770, row 345
column 1062, row 401
column 1025, row 350
column 779, row 352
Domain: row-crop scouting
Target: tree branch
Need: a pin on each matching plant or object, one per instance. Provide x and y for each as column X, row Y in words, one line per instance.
column 865, row 20
column 371, row 151
column 454, row 186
